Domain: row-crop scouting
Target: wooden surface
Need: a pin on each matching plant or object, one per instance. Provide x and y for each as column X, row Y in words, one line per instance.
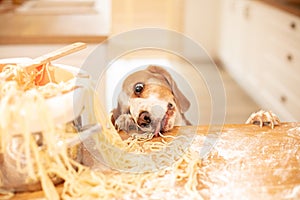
column 290, row 6
column 247, row 161
column 29, row 28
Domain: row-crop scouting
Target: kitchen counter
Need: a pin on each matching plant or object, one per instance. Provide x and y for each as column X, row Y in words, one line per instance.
column 290, row 6
column 32, row 27
column 248, row 161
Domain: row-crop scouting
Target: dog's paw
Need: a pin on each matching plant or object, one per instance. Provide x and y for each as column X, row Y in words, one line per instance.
column 125, row 123
column 263, row 118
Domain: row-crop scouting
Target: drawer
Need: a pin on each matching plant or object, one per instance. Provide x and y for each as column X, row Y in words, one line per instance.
column 273, row 20
column 277, row 58
column 284, row 65
column 279, row 89
column 264, row 48
column 275, row 73
column 280, row 96
column 286, row 53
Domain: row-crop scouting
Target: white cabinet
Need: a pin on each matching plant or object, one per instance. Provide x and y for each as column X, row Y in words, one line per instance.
column 234, row 38
column 260, row 46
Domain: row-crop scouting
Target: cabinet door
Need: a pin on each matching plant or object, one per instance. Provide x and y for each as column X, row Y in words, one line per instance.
column 278, row 41
column 276, row 61
column 260, row 46
column 235, row 38
column 226, row 30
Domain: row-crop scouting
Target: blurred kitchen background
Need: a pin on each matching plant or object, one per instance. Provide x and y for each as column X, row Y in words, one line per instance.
column 254, row 43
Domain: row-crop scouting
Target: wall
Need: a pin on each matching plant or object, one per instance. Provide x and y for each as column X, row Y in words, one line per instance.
column 201, row 23
column 132, row 14
column 198, row 19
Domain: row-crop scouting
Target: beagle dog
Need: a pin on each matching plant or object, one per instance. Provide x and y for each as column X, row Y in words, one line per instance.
column 150, row 102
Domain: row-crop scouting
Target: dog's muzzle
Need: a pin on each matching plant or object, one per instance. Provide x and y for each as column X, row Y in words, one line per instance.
column 157, row 119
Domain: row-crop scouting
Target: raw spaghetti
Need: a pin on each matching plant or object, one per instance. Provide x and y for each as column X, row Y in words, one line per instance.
column 51, row 159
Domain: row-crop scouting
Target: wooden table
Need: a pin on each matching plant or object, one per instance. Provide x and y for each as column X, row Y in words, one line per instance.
column 288, row 6
column 247, row 161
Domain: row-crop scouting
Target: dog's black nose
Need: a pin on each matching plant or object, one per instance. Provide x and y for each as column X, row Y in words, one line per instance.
column 144, row 119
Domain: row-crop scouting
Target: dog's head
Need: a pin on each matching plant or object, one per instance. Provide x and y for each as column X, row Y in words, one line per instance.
column 153, row 100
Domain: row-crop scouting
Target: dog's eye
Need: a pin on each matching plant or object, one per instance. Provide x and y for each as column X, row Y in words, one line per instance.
column 138, row 88
column 170, row 106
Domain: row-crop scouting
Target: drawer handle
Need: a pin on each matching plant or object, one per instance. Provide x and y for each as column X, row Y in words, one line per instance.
column 289, row 57
column 283, row 99
column 246, row 12
column 293, row 25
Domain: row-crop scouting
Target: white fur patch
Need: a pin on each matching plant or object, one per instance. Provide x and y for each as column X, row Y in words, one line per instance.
column 155, row 106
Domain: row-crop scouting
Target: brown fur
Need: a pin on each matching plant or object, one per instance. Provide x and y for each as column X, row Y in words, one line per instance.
column 158, row 84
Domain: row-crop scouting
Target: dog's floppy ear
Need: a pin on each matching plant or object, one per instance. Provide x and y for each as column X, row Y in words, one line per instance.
column 122, row 107
column 115, row 113
column 182, row 101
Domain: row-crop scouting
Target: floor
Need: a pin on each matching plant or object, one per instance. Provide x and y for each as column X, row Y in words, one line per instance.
column 239, row 104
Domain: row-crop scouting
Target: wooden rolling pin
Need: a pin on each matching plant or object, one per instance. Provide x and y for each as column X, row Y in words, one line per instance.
column 37, row 63
column 48, row 75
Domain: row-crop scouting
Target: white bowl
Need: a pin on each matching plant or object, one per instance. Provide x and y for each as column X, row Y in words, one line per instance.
column 62, row 108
